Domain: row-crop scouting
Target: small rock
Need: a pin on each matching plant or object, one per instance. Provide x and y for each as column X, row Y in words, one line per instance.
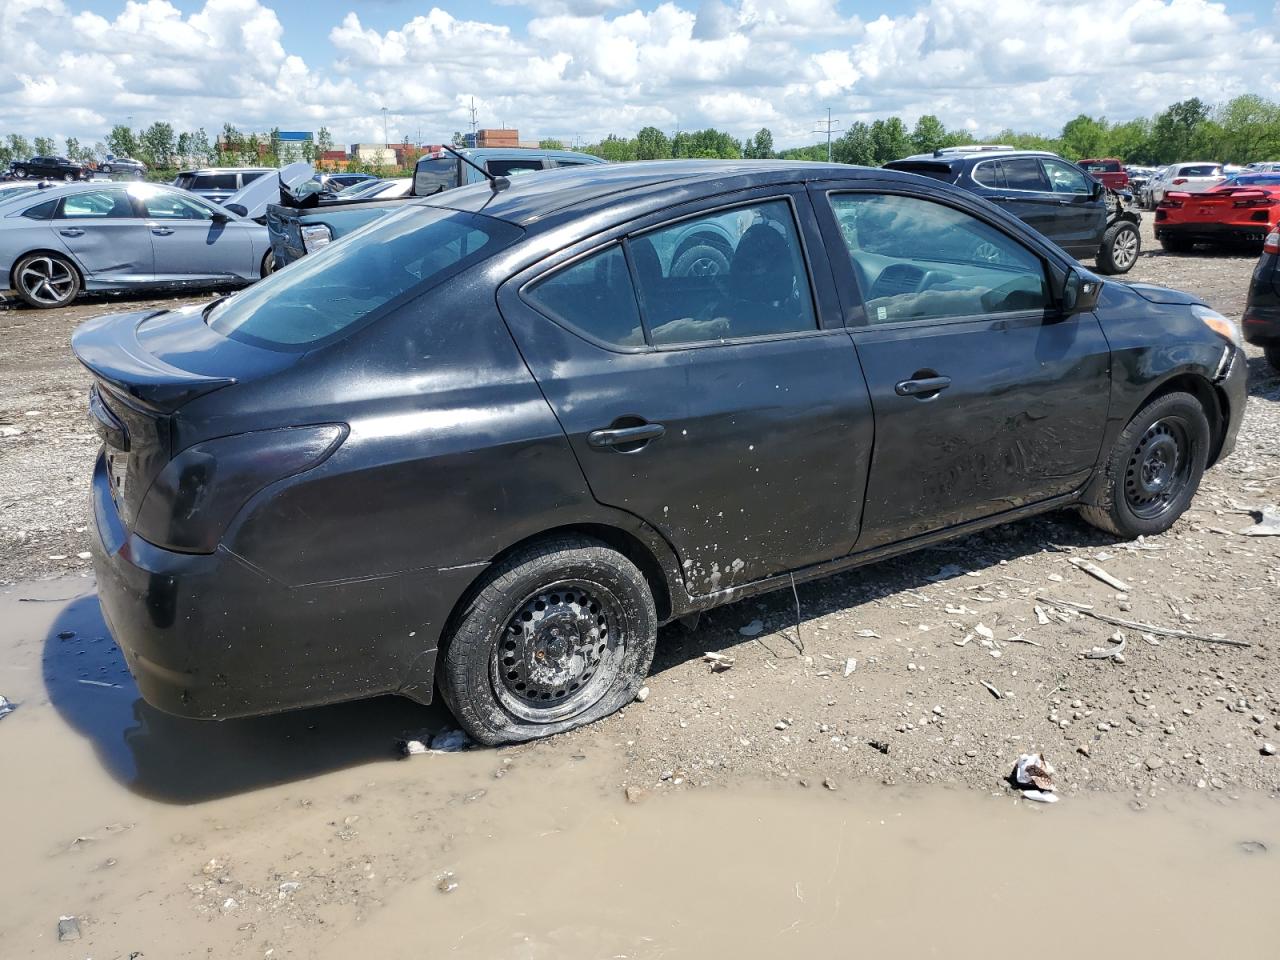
column 229, row 904
column 1252, row 846
column 752, row 629
column 213, row 866
column 1154, row 763
column 780, row 725
column 68, row 929
column 1083, row 749
column 642, row 694
column 288, row 887
column 1268, row 749
column 830, row 784
column 634, row 794
column 447, row 884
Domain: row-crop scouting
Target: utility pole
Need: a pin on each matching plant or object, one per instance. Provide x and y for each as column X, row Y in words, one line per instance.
column 474, row 126
column 829, row 125
column 385, row 138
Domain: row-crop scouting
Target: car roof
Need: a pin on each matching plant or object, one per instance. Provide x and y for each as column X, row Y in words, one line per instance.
column 200, row 170
column 961, row 156
column 93, row 186
column 503, row 153
column 575, row 189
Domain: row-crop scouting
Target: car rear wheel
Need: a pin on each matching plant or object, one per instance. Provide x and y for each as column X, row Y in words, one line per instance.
column 559, row 634
column 20, row 172
column 701, row 260
column 1154, row 468
column 1273, row 357
column 46, row 280
column 1120, row 247
column 106, row 168
column 269, row 263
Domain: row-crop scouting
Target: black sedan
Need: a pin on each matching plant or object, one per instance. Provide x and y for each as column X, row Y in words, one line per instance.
column 1261, row 321
column 490, row 443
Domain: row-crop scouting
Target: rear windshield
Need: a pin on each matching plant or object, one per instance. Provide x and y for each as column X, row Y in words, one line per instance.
column 1200, row 170
column 432, row 175
column 328, row 294
column 1101, row 166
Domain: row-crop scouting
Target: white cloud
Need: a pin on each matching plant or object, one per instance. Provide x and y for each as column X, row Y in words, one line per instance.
column 590, row 67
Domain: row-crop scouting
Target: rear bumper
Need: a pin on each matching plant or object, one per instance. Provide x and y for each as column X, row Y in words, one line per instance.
column 210, row 636
column 1212, row 232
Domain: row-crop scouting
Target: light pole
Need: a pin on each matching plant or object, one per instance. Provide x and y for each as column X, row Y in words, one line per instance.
column 385, row 139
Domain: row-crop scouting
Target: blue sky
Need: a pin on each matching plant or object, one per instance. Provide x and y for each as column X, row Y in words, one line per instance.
column 567, row 68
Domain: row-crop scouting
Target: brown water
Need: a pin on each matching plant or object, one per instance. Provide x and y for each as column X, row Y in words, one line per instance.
column 111, row 812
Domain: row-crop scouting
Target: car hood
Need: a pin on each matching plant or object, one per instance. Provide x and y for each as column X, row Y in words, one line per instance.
column 255, row 196
column 1156, row 294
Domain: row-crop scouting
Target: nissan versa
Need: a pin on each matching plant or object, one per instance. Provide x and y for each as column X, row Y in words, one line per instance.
column 491, row 441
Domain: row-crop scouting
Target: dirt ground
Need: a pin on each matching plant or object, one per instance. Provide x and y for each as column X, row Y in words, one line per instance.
column 1167, row 711
column 300, row 835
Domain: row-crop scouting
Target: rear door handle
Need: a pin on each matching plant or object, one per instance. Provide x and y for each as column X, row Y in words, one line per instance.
column 162, row 231
column 621, row 436
column 72, row 232
column 924, row 387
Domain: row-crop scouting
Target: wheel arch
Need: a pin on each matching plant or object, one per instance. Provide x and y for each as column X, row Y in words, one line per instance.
column 48, row 252
column 1214, row 401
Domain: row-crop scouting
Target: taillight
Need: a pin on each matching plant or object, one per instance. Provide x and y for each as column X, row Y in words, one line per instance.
column 200, row 491
column 1272, row 243
column 1170, row 204
column 1179, row 180
column 1254, row 202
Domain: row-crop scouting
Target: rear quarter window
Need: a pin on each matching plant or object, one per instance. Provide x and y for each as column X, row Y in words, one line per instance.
column 214, row 181
column 329, row 294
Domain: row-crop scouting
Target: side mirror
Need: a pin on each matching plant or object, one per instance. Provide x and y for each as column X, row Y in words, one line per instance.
column 1080, row 293
column 239, row 209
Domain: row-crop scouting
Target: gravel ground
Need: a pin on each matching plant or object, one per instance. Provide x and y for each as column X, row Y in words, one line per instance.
column 1168, row 711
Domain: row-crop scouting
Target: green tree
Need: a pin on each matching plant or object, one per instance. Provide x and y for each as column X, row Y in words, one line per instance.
column 1175, row 131
column 121, row 142
column 816, row 152
column 652, row 144
column 759, row 147
column 550, row 143
column 458, row 139
column 19, row 148
column 44, row 146
column 889, row 140
column 1084, row 137
column 853, row 146
column 1131, row 141
column 1248, row 129
column 928, row 134
column 201, row 150
column 324, row 140
column 613, row 148
column 76, row 153
column 158, row 144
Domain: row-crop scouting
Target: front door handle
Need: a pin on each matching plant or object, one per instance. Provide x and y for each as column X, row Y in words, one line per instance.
column 162, row 231
column 72, row 232
column 632, row 437
column 924, row 388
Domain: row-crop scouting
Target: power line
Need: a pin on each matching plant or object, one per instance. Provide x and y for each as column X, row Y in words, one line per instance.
column 828, row 125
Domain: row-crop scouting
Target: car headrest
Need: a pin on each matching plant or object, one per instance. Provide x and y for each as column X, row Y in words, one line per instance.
column 762, row 269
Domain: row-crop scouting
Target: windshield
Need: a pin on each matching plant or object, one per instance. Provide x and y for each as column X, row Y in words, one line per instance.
column 356, row 189
column 329, row 293
column 432, row 175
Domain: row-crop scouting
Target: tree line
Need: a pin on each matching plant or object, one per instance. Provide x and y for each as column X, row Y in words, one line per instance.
column 1241, row 130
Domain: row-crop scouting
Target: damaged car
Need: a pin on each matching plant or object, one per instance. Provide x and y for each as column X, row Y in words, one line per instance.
column 487, row 445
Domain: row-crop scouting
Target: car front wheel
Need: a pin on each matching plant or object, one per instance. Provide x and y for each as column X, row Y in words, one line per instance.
column 1120, row 247
column 1153, row 469
column 559, row 634
column 45, row 280
column 20, row 172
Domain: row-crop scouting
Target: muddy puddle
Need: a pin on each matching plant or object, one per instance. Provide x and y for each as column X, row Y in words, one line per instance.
column 302, row 836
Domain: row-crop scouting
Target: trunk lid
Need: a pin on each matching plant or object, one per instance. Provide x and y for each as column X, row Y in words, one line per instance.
column 146, row 366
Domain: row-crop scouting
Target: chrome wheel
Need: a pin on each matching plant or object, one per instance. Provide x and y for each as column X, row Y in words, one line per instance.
column 1159, row 469
column 47, row 280
column 1125, row 250
column 559, row 653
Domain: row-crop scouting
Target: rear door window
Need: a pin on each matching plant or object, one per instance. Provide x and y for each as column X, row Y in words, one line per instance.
column 96, row 205
column 593, row 296
column 1024, row 173
column 335, row 290
column 725, row 275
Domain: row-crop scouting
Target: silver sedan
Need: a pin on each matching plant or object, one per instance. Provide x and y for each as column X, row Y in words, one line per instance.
column 115, row 236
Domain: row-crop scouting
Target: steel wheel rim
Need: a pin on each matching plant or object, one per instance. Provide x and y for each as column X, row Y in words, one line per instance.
column 47, row 280
column 1125, row 250
column 559, row 652
column 1159, row 469
column 704, row 267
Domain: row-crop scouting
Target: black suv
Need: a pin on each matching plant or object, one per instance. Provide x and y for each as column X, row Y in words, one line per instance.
column 1053, row 195
column 50, row 168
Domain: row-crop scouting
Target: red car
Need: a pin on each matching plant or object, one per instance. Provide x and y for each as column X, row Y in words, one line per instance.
column 1109, row 170
column 1242, row 210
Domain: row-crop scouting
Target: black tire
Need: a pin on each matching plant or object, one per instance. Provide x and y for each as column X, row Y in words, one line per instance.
column 1176, row 245
column 46, row 280
column 20, row 172
column 1121, row 245
column 268, row 264
column 106, row 168
column 1143, row 494
column 701, row 260
column 1273, row 357
column 68, row 177
column 495, row 673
